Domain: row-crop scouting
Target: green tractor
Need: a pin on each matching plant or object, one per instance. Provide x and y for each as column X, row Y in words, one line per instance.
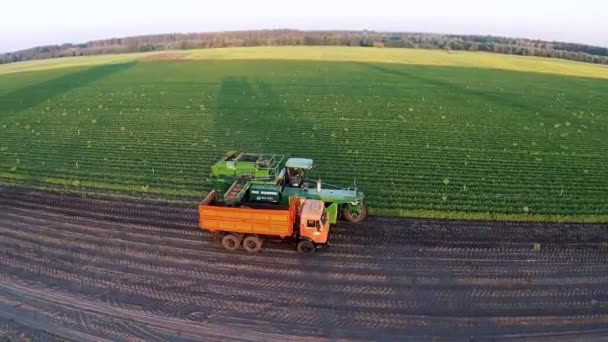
column 248, row 179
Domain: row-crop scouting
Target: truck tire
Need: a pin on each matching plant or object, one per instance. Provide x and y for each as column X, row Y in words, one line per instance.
column 354, row 217
column 231, row 242
column 306, row 246
column 252, row 243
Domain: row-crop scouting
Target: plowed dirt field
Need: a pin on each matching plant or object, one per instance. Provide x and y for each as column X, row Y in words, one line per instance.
column 94, row 268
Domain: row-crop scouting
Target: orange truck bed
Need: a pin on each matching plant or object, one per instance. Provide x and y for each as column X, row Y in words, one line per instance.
column 274, row 222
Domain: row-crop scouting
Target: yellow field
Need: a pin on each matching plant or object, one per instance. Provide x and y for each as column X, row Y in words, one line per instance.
column 350, row 54
column 54, row 63
column 409, row 56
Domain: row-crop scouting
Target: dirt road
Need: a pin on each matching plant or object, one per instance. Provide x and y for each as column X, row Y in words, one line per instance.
column 99, row 269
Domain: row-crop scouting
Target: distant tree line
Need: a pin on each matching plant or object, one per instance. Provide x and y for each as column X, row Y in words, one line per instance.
column 180, row 41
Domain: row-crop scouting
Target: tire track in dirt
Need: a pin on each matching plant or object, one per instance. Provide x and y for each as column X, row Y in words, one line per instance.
column 497, row 299
column 364, row 300
column 190, row 330
column 93, row 244
column 386, row 279
column 505, row 251
column 385, row 229
column 59, row 241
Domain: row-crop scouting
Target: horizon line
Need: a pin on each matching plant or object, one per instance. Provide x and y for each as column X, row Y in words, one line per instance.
column 300, row 30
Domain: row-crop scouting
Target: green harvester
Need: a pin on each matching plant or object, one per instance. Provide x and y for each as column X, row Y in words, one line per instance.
column 258, row 180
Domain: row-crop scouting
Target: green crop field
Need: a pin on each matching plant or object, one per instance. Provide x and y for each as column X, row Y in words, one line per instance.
column 435, row 141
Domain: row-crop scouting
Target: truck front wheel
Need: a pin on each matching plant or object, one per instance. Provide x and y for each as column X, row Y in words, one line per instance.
column 306, row 246
column 231, row 242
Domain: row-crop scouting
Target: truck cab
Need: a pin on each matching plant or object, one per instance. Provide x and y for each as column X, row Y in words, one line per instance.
column 314, row 223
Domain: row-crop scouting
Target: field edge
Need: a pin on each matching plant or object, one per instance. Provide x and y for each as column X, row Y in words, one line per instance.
column 488, row 216
column 398, row 56
column 120, row 192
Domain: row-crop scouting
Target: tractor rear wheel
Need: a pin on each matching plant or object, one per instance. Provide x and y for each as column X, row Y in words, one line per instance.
column 231, row 242
column 252, row 243
column 354, row 215
column 306, row 246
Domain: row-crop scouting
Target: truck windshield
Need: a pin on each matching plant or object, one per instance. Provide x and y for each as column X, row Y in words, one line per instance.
column 324, row 217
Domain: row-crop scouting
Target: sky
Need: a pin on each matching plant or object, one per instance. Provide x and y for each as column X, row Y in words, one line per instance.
column 29, row 23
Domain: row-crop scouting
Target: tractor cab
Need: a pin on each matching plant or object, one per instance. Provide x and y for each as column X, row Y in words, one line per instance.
column 295, row 171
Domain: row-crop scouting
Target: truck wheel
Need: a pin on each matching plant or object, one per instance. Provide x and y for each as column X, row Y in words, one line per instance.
column 230, row 242
column 354, row 216
column 306, row 246
column 252, row 243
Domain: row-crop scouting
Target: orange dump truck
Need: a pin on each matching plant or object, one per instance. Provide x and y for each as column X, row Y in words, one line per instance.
column 305, row 222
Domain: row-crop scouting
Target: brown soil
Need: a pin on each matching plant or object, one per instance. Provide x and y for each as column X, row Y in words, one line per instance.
column 92, row 269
